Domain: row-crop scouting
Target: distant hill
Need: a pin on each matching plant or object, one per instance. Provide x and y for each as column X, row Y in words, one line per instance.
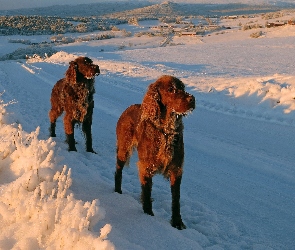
column 96, row 9
column 186, row 9
column 147, row 10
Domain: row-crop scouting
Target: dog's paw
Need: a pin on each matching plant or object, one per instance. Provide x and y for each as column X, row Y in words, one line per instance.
column 91, row 151
column 178, row 224
column 118, row 191
column 148, row 211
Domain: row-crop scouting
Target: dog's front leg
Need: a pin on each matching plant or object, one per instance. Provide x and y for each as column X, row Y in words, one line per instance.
column 86, row 128
column 53, row 115
column 118, row 175
column 70, row 139
column 176, row 220
column 146, row 191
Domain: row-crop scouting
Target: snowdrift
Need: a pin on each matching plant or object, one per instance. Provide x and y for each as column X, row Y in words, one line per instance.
column 35, row 194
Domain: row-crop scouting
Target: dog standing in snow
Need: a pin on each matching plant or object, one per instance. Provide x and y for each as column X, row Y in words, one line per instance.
column 155, row 128
column 74, row 96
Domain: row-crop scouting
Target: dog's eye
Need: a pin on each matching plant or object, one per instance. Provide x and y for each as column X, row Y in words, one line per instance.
column 171, row 89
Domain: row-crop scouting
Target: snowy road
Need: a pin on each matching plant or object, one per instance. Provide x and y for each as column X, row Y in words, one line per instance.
column 244, row 173
column 238, row 185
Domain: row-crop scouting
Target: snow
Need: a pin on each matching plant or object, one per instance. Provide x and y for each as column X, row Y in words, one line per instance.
column 239, row 178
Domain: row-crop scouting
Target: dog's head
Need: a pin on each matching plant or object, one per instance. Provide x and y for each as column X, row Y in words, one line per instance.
column 167, row 95
column 80, row 69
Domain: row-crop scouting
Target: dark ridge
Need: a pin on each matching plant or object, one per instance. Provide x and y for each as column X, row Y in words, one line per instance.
column 146, row 10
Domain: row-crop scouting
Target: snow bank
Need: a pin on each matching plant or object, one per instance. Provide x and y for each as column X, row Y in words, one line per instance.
column 31, row 51
column 263, row 98
column 35, row 194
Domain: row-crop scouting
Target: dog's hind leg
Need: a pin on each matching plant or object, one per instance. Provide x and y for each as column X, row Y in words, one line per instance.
column 125, row 132
column 124, row 151
column 69, row 130
column 53, row 115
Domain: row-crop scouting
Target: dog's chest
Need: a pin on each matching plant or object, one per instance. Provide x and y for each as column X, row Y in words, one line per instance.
column 166, row 148
column 81, row 95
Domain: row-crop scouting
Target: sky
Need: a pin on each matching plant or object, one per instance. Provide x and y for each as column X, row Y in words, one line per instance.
column 19, row 4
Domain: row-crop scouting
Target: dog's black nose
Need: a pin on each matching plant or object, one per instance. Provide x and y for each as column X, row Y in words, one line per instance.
column 97, row 70
column 192, row 101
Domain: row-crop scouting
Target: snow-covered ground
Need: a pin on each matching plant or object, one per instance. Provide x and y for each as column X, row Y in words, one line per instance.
column 239, row 176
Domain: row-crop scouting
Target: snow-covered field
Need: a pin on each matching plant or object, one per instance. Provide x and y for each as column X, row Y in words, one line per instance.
column 239, row 176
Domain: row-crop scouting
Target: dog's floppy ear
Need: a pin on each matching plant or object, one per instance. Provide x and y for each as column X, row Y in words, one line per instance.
column 150, row 106
column 71, row 73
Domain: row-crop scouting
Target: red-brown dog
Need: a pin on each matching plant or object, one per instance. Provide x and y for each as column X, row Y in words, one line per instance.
column 155, row 128
column 74, row 95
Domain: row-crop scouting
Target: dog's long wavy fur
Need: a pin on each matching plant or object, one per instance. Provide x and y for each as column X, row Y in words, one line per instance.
column 155, row 128
column 73, row 95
